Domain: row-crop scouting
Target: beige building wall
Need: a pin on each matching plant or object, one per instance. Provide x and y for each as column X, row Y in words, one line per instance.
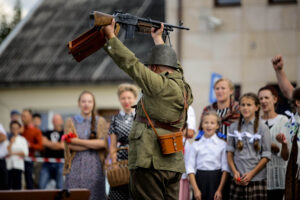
column 53, row 99
column 241, row 48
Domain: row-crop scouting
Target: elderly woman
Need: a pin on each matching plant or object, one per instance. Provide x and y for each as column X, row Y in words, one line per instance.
column 119, row 130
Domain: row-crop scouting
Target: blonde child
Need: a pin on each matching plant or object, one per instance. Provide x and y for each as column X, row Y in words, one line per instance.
column 248, row 152
column 207, row 163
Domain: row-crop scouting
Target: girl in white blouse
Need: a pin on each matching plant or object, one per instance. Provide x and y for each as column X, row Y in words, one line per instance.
column 17, row 150
column 207, row 163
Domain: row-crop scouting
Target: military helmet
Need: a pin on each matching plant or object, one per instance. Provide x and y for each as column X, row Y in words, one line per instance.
column 162, row 55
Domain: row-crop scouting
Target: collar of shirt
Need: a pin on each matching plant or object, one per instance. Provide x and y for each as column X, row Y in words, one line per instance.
column 122, row 112
column 213, row 139
column 80, row 119
column 250, row 122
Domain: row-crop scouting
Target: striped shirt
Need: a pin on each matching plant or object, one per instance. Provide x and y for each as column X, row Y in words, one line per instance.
column 222, row 113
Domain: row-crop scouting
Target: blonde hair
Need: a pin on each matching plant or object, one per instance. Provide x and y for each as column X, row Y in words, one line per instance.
column 128, row 87
column 230, row 84
column 213, row 113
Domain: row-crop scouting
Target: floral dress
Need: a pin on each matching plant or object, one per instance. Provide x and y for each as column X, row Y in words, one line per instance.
column 86, row 170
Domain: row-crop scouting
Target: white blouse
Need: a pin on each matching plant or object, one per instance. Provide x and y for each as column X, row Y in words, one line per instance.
column 276, row 167
column 191, row 124
column 14, row 161
column 3, row 149
column 191, row 120
column 207, row 154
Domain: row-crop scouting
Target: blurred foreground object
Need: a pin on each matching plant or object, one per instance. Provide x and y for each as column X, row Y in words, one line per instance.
column 74, row 194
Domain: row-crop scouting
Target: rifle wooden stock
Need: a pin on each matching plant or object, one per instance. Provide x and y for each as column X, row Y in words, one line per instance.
column 88, row 43
column 102, row 19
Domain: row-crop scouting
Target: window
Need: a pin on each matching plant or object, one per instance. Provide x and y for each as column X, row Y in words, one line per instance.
column 237, row 92
column 282, row 1
column 221, row 3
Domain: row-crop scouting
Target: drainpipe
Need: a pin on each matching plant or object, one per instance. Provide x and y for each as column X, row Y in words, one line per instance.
column 179, row 33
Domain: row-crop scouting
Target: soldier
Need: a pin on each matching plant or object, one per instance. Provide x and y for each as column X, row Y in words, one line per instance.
column 153, row 175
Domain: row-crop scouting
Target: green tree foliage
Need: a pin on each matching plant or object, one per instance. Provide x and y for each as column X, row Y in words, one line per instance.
column 5, row 26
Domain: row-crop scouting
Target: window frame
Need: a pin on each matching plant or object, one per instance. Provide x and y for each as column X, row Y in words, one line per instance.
column 275, row 2
column 218, row 4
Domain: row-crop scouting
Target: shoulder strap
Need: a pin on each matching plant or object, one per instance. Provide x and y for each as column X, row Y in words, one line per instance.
column 148, row 118
column 185, row 109
column 181, row 116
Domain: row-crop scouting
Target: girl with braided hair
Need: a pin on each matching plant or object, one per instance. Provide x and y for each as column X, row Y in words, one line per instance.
column 85, row 154
column 248, row 151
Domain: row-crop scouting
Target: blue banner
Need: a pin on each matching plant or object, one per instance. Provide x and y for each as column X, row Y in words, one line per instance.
column 214, row 78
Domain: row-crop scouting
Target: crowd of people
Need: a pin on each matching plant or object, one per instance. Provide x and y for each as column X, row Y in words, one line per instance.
column 23, row 143
column 240, row 150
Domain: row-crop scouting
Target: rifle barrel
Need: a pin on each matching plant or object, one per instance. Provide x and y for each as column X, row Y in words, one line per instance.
column 167, row 26
column 126, row 18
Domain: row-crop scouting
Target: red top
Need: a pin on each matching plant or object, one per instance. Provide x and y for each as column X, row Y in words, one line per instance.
column 34, row 138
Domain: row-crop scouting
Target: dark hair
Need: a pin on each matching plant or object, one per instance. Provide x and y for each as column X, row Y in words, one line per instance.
column 271, row 89
column 296, row 95
column 14, row 122
column 36, row 115
column 256, row 120
column 93, row 134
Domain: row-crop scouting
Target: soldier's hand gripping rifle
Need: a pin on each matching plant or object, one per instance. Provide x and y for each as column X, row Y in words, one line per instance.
column 94, row 39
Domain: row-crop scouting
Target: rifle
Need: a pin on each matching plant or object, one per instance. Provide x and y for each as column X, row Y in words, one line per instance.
column 94, row 39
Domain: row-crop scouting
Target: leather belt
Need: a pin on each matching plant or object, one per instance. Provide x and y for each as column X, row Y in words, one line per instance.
column 157, row 124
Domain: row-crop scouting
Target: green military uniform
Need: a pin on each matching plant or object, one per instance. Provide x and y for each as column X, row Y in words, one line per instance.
column 164, row 101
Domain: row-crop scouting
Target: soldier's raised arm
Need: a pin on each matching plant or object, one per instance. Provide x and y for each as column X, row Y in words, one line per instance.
column 157, row 35
column 284, row 84
column 151, row 83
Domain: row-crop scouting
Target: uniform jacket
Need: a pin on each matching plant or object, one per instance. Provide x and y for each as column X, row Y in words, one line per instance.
column 164, row 101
